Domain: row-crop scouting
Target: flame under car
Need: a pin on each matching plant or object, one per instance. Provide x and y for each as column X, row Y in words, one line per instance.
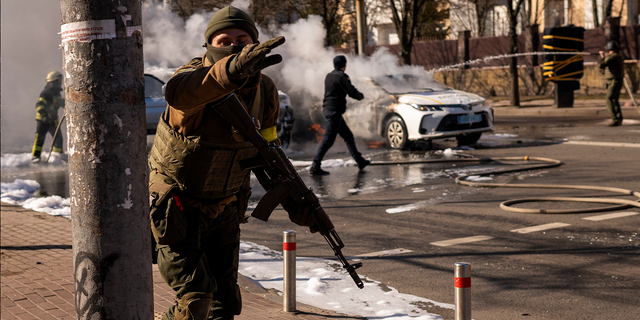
column 422, row 109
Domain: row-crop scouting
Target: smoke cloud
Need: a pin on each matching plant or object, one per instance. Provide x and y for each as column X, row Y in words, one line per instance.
column 31, row 50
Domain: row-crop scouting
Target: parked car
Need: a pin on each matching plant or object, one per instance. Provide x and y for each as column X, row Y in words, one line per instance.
column 154, row 100
column 285, row 121
column 426, row 110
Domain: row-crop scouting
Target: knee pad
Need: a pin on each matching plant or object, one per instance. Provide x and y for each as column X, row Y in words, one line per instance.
column 194, row 306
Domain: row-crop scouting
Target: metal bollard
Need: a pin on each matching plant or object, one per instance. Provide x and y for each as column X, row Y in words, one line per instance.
column 289, row 282
column 462, row 280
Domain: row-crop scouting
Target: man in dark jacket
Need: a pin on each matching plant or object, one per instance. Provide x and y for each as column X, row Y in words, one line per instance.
column 612, row 64
column 337, row 86
column 47, row 114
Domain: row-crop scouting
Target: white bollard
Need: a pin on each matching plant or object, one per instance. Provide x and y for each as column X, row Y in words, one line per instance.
column 289, row 282
column 462, row 281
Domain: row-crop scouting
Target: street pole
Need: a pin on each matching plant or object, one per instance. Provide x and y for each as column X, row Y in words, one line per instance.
column 360, row 25
column 106, row 126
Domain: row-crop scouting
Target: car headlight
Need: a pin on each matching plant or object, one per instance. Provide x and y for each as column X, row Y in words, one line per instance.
column 423, row 107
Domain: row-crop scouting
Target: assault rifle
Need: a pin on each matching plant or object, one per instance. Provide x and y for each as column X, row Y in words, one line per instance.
column 279, row 178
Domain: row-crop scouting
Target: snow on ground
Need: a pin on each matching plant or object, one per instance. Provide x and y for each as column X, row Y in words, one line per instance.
column 320, row 283
column 324, row 284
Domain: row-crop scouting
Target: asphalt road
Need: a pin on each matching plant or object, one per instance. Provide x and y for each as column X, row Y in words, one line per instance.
column 577, row 269
column 580, row 269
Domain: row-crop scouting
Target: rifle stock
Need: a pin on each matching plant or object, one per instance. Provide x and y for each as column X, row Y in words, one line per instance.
column 278, row 176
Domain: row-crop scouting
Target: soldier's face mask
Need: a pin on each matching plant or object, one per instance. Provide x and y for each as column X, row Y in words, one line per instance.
column 217, row 53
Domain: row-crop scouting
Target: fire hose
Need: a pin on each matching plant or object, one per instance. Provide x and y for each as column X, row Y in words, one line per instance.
column 55, row 135
column 547, row 163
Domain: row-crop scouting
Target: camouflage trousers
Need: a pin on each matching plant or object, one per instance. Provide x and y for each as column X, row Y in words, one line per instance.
column 206, row 261
column 613, row 95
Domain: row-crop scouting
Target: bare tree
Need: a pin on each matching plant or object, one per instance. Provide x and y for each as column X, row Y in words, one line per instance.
column 513, row 8
column 533, row 12
column 330, row 11
column 186, row 8
column 594, row 7
column 432, row 17
column 482, row 9
column 405, row 17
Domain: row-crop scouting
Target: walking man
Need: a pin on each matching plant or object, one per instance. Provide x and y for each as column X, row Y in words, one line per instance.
column 47, row 108
column 337, row 86
column 612, row 64
column 199, row 192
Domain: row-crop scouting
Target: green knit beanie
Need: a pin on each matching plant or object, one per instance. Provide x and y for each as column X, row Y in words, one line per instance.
column 231, row 18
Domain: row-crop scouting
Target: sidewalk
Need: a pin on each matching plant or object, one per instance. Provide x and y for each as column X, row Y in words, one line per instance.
column 546, row 107
column 37, row 275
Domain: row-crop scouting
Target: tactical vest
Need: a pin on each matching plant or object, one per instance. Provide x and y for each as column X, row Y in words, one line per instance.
column 615, row 67
column 205, row 164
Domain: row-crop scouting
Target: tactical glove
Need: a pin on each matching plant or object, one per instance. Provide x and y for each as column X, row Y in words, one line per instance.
column 44, row 119
column 301, row 215
column 253, row 58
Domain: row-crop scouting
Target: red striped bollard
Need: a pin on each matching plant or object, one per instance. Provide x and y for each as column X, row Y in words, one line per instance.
column 462, row 282
column 289, row 282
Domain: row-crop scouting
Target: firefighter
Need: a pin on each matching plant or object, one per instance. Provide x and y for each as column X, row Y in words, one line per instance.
column 612, row 65
column 337, row 86
column 199, row 193
column 47, row 108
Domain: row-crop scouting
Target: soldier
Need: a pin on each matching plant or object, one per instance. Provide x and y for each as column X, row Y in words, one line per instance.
column 47, row 108
column 612, row 64
column 337, row 86
column 198, row 191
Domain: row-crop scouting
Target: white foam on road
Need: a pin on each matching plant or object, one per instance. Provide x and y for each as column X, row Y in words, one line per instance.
column 324, row 284
column 24, row 193
column 408, row 207
column 541, row 227
column 23, row 160
column 390, row 252
column 611, row 216
column 604, row 144
column 452, row 242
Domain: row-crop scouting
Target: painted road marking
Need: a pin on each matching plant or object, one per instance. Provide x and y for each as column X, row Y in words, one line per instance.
column 604, row 144
column 611, row 216
column 451, row 242
column 541, row 227
column 390, row 252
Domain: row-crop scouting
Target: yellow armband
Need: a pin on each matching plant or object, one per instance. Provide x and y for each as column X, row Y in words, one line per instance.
column 269, row 134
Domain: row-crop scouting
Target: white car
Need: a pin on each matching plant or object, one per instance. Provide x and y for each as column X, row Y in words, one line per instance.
column 422, row 109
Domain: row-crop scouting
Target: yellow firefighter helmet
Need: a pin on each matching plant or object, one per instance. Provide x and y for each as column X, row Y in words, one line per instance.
column 53, row 76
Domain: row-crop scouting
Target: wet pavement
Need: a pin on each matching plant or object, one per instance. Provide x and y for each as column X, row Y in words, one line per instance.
column 527, row 126
column 345, row 180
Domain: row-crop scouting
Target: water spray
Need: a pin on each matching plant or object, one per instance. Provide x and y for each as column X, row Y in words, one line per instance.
column 505, row 56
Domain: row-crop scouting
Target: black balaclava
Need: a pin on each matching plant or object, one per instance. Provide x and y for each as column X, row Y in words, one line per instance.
column 228, row 18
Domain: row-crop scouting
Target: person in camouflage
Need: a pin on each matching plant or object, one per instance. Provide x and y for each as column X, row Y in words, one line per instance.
column 47, row 108
column 199, row 193
column 612, row 65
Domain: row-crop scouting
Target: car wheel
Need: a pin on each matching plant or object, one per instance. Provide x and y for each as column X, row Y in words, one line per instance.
column 396, row 133
column 469, row 138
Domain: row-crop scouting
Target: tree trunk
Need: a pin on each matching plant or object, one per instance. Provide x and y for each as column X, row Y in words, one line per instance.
column 106, row 125
column 594, row 7
column 513, row 66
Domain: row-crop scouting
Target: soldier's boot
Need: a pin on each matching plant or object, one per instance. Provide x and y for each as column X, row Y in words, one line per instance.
column 194, row 306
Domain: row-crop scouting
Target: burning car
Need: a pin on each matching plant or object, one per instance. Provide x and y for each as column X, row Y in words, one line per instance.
column 421, row 109
column 285, row 121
